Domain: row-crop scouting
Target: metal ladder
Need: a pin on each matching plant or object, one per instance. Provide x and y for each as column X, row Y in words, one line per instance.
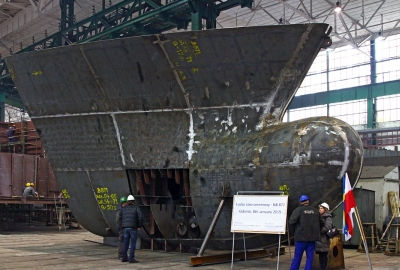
column 395, row 207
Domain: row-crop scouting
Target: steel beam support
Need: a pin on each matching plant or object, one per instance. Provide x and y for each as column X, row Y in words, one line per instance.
column 373, row 61
column 327, row 80
column 67, row 20
column 347, row 94
column 211, row 228
column 197, row 15
column 371, row 107
column 203, row 10
column 234, row 3
column 211, row 16
column 2, row 106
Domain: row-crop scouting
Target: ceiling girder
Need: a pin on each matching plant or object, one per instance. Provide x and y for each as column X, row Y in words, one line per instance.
column 13, row 5
column 297, row 11
column 355, row 31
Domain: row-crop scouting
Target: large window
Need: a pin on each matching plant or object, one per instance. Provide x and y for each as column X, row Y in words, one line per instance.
column 353, row 112
column 388, row 108
column 14, row 114
column 298, row 114
column 348, row 67
column 388, row 59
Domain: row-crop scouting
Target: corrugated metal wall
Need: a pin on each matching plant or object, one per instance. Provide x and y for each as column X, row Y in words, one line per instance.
column 17, row 169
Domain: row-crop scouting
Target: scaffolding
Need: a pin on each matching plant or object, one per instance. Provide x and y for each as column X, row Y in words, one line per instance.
column 22, row 140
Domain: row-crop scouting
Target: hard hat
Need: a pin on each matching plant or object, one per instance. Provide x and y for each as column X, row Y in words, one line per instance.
column 122, row 199
column 131, row 198
column 32, row 184
column 28, row 184
column 304, row 198
column 325, row 205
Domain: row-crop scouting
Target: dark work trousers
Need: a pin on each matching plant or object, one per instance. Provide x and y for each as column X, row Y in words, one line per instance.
column 120, row 242
column 129, row 234
column 323, row 260
column 300, row 247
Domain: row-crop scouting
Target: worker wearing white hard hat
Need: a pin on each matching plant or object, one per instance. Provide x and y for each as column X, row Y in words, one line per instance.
column 131, row 219
column 325, row 205
column 323, row 245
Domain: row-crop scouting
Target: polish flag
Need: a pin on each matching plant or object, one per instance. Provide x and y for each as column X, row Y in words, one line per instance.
column 349, row 205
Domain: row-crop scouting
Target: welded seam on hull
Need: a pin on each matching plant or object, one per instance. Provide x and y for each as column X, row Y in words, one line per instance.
column 93, row 73
column 88, row 169
column 187, row 110
column 178, row 79
column 191, row 134
column 287, row 71
column 346, row 160
column 345, row 163
column 94, row 194
column 304, row 37
column 185, row 94
column 121, row 150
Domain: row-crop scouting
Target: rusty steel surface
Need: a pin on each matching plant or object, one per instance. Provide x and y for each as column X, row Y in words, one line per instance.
column 26, row 139
column 115, row 116
column 5, row 175
column 49, row 201
column 18, row 169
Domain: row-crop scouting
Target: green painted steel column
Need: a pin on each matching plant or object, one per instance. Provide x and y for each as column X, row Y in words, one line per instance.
column 371, row 102
column 2, row 106
column 197, row 21
column 212, row 14
column 327, row 80
column 67, row 17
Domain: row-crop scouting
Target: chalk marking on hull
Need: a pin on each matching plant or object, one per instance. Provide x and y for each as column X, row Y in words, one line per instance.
column 121, row 150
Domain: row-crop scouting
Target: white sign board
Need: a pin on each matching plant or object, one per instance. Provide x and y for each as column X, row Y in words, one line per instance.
column 259, row 214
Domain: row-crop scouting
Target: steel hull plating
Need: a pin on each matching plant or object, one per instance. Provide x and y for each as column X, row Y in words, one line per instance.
column 173, row 118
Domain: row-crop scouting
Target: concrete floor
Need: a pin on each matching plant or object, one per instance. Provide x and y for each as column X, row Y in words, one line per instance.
column 39, row 247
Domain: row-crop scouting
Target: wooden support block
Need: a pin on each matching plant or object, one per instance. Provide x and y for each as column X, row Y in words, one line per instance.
column 226, row 257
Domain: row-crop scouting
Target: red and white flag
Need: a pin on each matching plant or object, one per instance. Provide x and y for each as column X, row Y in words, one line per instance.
column 349, row 205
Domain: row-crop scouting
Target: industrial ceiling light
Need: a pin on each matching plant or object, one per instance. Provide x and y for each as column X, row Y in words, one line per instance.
column 338, row 8
column 380, row 36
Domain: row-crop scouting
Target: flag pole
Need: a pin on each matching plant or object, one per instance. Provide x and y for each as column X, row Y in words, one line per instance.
column 358, row 218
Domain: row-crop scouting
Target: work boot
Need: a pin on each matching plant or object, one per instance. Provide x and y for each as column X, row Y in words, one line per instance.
column 323, row 262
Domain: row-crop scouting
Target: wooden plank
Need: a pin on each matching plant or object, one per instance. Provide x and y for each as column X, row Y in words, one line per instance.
column 226, row 257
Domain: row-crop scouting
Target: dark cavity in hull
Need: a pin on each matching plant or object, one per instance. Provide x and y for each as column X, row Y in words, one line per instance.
column 174, row 118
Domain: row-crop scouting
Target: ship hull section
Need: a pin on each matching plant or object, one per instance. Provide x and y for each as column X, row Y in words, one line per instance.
column 174, row 118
